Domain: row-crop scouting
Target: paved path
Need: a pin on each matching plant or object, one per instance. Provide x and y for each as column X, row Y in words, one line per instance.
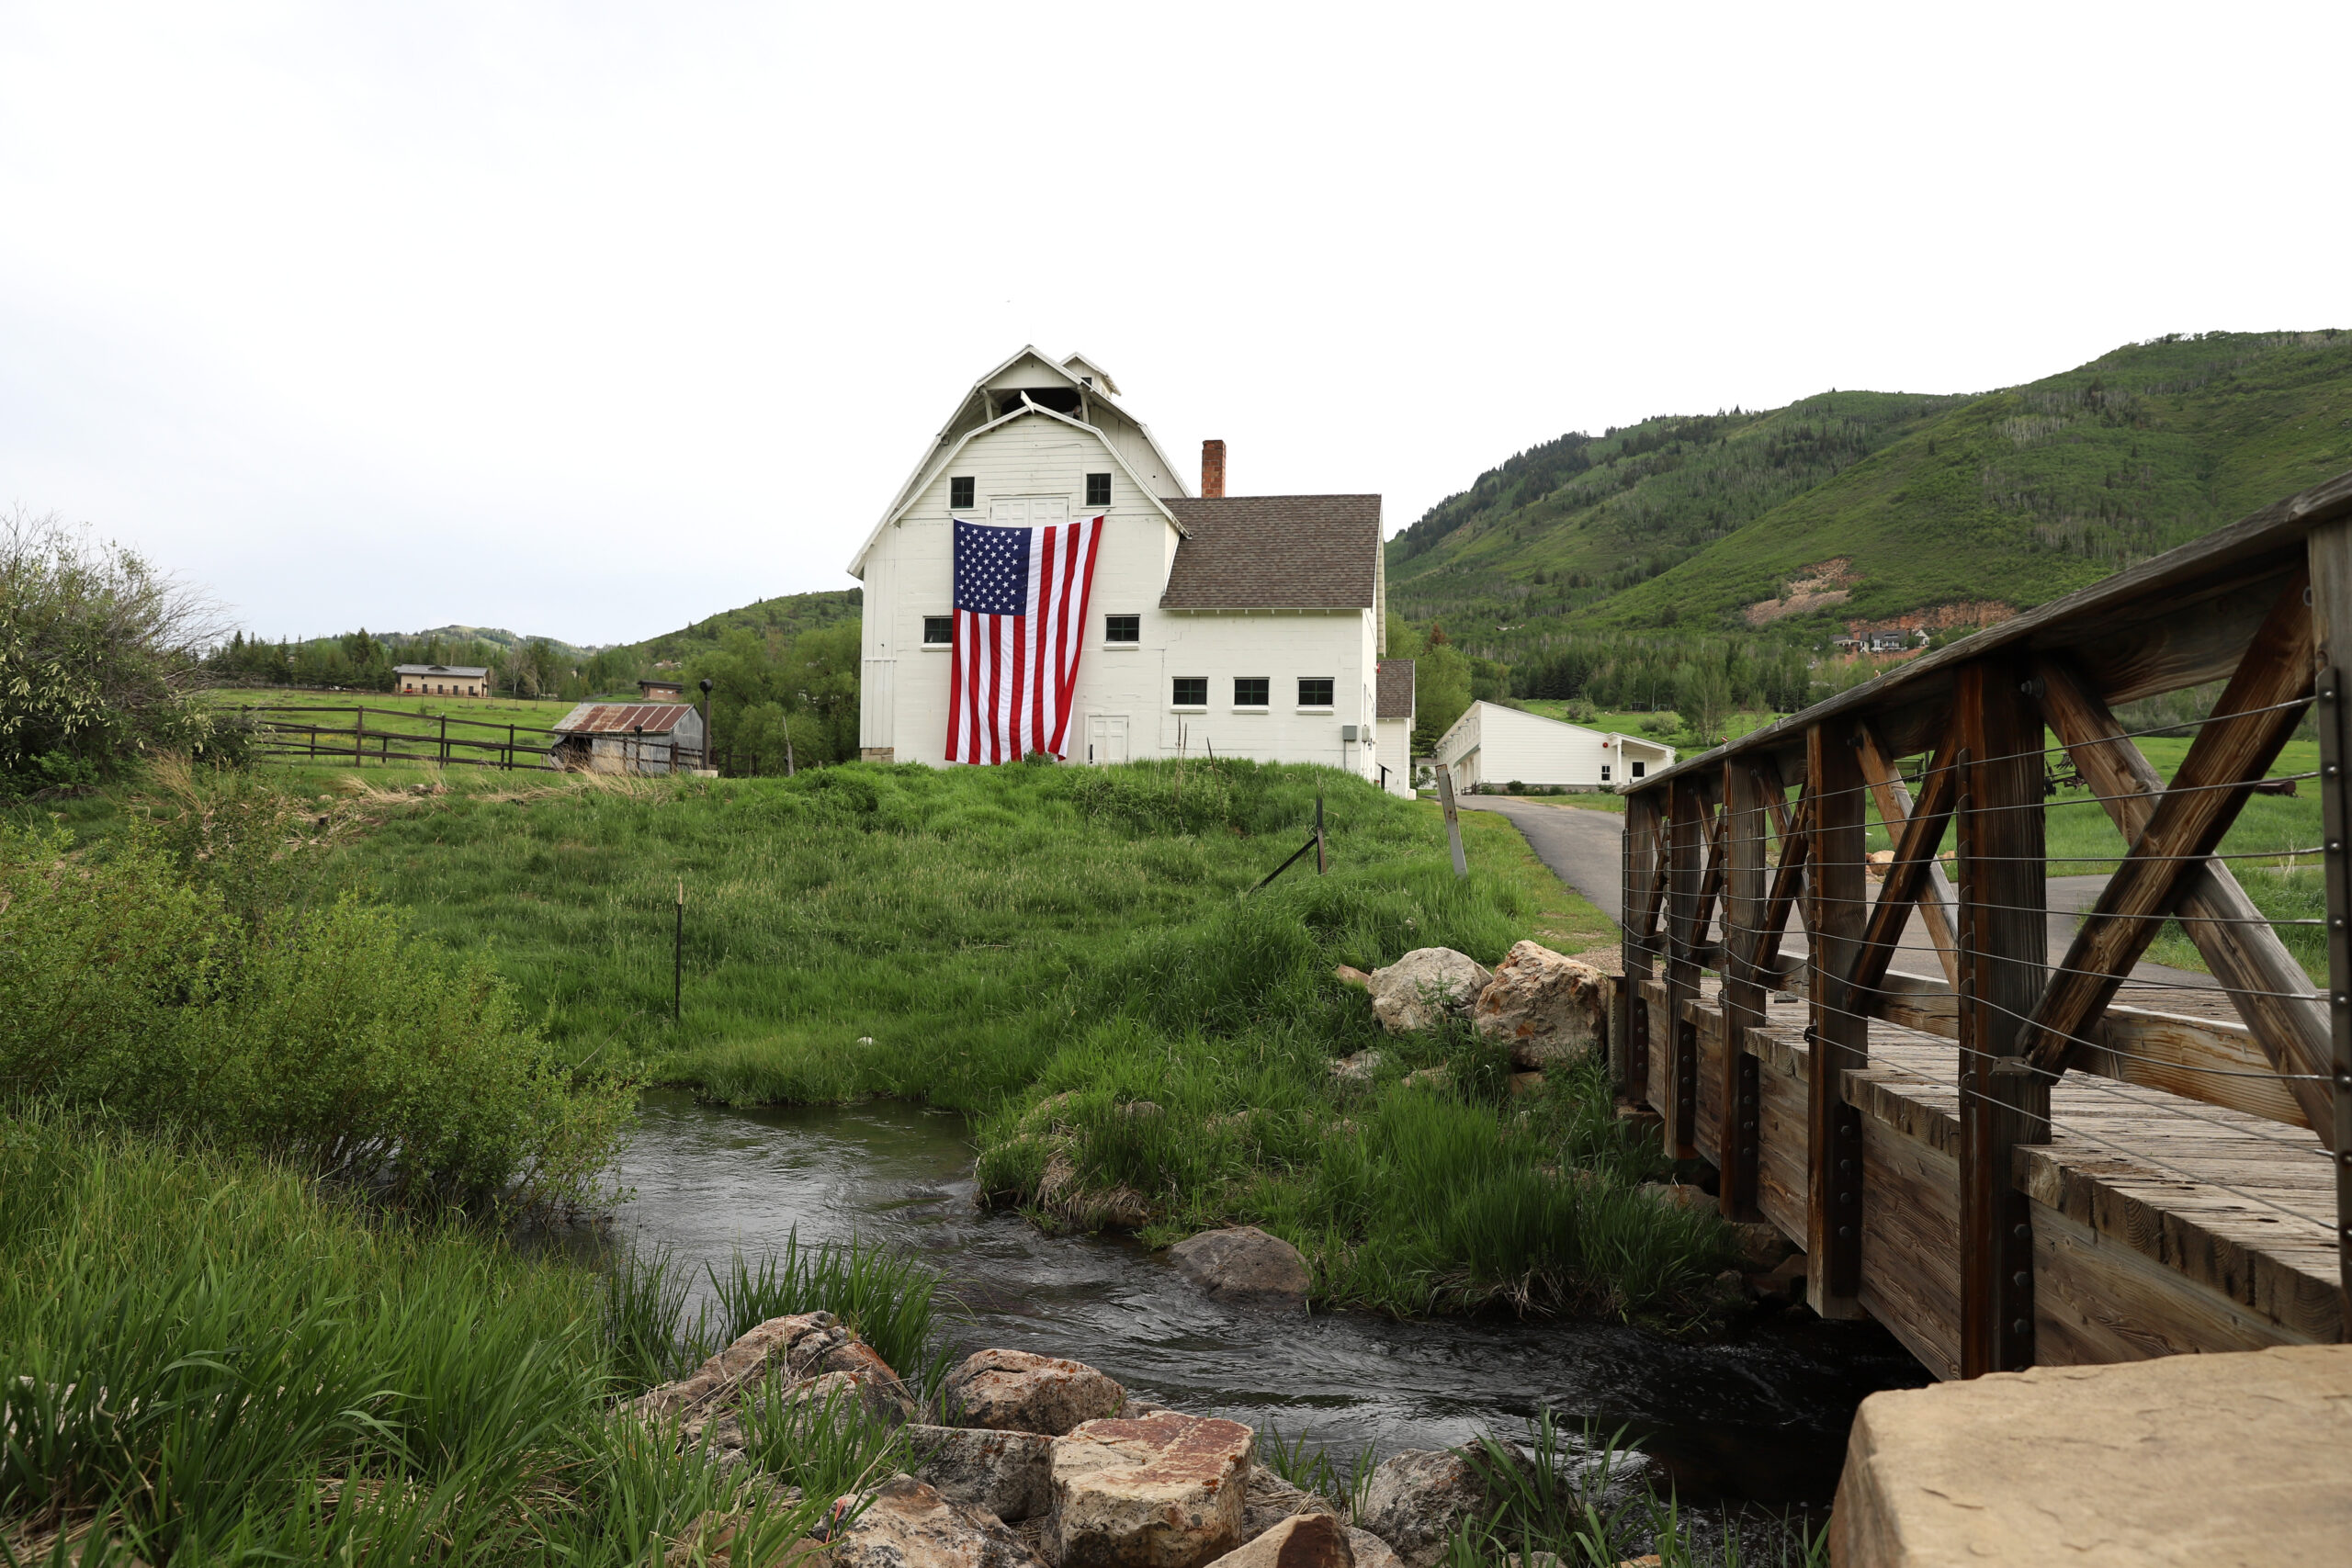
column 1581, row 846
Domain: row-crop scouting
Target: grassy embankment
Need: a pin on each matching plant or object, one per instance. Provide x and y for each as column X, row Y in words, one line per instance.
column 995, row 940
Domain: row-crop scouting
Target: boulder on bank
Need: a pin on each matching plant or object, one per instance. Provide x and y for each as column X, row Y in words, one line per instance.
column 1358, row 1068
column 721, row 1379
column 1421, row 988
column 1417, row 1499
column 1270, row 1500
column 911, row 1525
column 1164, row 1491
column 1301, row 1540
column 1242, row 1263
column 1017, row 1390
column 1371, row 1551
column 1009, row 1474
column 1545, row 1006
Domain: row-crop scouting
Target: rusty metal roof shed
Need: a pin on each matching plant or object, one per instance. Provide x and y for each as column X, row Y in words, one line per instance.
column 623, row 718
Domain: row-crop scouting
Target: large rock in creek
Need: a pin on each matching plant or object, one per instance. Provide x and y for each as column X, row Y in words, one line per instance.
column 1302, row 1540
column 1010, row 1474
column 1164, row 1491
column 1242, row 1263
column 1014, row 1390
column 1546, row 1007
column 1371, row 1551
column 810, row 1353
column 1420, row 988
column 1416, row 1498
column 910, row 1525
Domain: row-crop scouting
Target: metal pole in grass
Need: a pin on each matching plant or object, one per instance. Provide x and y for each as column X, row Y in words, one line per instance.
column 1320, row 867
column 1452, row 821
column 678, row 957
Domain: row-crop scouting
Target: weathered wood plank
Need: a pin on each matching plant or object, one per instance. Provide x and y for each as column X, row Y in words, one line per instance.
column 1910, row 1272
column 1916, row 837
column 1780, row 1143
column 1745, row 896
column 2266, row 984
column 2330, row 557
column 1686, row 835
column 2096, row 1301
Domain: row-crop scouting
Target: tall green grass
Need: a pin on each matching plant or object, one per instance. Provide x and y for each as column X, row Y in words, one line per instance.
column 207, row 1361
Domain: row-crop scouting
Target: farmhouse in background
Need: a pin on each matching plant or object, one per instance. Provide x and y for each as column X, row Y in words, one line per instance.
column 1494, row 745
column 443, row 680
column 1393, row 691
column 629, row 738
column 1247, row 624
column 662, row 691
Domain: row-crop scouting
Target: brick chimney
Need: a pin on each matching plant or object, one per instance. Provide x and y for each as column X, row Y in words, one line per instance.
column 1212, row 468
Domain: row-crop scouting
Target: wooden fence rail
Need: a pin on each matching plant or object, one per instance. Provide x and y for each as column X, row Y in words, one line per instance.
column 289, row 732
column 2010, row 1157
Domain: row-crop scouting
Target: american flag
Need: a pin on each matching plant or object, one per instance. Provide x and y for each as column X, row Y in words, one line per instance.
column 1020, row 622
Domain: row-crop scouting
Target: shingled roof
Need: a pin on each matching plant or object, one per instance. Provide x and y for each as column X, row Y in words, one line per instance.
column 622, row 718
column 1275, row 552
column 1395, row 688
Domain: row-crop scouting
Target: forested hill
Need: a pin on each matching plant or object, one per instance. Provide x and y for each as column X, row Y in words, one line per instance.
column 1874, row 507
column 784, row 617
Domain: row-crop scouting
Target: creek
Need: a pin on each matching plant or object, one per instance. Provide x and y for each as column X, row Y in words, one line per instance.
column 1759, row 1417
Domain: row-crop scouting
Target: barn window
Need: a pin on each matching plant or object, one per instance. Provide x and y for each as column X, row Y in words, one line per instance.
column 1123, row 629
column 1315, row 691
column 959, row 494
column 1098, row 489
column 1190, row 692
column 1604, row 773
column 1637, row 770
column 1250, row 691
column 938, row 631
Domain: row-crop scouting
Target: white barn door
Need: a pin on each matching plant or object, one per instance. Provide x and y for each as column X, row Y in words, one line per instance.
column 1106, row 737
column 1028, row 511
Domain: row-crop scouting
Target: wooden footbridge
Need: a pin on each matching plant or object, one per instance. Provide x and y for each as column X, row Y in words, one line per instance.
column 2009, row 1158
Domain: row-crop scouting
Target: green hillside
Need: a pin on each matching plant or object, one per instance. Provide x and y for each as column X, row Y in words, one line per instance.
column 1870, row 506
column 781, row 618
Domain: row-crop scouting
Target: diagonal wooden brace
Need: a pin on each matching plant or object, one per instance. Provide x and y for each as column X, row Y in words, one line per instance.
column 1935, row 897
column 2233, row 750
column 2268, row 985
column 1922, row 833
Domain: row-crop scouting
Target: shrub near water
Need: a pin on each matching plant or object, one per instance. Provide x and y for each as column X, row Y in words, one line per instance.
column 197, row 977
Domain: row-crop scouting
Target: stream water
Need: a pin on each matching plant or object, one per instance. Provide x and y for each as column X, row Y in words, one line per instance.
column 1760, row 1419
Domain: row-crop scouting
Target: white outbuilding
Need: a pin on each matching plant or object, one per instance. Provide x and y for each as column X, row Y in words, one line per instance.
column 1495, row 745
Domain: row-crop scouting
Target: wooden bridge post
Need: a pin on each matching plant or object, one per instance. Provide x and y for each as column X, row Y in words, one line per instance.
column 1686, row 840
column 1645, row 846
column 1840, row 1036
column 2004, row 938
column 1746, row 897
column 2330, row 553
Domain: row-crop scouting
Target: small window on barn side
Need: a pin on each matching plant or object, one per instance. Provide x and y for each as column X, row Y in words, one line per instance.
column 1637, row 770
column 1098, row 489
column 1123, row 629
column 1315, row 691
column 1250, row 691
column 938, row 630
column 959, row 494
column 1604, row 773
column 1190, row 692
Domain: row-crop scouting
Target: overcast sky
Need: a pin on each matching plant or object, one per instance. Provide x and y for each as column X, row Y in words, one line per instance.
column 589, row 320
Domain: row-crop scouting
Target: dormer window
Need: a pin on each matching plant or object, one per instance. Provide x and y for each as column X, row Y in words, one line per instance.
column 1098, row 489
column 959, row 494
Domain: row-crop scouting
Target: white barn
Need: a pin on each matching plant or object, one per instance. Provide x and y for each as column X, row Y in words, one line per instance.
column 1250, row 625
column 1496, row 745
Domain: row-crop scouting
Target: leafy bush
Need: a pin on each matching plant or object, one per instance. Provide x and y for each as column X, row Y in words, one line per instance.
column 195, row 975
column 97, row 657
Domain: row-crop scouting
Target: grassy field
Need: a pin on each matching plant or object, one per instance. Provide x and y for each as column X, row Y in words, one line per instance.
column 523, row 712
column 998, row 940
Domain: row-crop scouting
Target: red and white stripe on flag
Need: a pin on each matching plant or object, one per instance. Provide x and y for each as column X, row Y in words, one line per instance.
column 1020, row 597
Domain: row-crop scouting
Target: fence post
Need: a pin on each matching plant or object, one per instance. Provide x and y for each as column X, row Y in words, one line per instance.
column 1452, row 818
column 1839, row 1038
column 1643, row 849
column 2004, row 938
column 2330, row 548
column 510, row 748
column 358, row 737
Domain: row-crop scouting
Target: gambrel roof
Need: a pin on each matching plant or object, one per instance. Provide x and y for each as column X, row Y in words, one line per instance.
column 1275, row 552
column 970, row 420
